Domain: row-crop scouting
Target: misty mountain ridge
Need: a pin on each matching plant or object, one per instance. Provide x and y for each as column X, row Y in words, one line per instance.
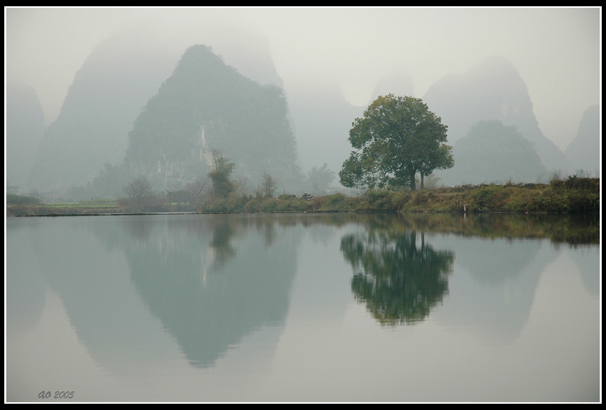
column 24, row 130
column 492, row 90
column 584, row 150
column 105, row 97
column 208, row 105
column 493, row 152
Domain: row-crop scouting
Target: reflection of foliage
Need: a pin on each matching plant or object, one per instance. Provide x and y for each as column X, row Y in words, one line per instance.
column 221, row 242
column 398, row 281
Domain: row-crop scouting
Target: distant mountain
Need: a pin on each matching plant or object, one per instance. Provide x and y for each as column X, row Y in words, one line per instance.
column 24, row 130
column 206, row 104
column 492, row 90
column 493, row 152
column 584, row 150
column 398, row 82
column 104, row 99
column 322, row 118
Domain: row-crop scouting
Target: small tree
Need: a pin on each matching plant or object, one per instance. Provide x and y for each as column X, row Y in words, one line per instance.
column 320, row 179
column 139, row 192
column 222, row 170
column 268, row 185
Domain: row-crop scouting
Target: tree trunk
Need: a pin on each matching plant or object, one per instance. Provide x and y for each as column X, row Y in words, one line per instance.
column 413, row 183
column 422, row 176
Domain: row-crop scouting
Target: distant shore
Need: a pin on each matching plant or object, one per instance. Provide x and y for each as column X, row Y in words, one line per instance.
column 573, row 195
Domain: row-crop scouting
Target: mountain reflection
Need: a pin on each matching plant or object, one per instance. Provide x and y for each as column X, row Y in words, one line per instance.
column 398, row 279
column 215, row 284
column 140, row 288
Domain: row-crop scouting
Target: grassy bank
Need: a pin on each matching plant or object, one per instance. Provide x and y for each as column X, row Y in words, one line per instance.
column 63, row 209
column 574, row 195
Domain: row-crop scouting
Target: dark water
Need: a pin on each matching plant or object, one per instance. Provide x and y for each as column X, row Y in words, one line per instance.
column 198, row 308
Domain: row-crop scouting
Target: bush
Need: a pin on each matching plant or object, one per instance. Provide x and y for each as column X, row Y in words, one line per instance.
column 12, row 199
column 485, row 199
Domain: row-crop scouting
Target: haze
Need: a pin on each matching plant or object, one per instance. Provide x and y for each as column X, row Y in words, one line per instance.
column 555, row 50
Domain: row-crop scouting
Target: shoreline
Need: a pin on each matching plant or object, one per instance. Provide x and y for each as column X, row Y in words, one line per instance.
column 571, row 196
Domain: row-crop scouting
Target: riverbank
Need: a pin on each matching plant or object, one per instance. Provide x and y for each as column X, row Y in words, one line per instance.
column 573, row 195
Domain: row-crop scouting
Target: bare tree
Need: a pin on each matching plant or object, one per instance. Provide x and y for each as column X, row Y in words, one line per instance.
column 268, row 185
column 139, row 192
column 198, row 189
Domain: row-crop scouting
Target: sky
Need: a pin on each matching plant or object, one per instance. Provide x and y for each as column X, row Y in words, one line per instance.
column 557, row 51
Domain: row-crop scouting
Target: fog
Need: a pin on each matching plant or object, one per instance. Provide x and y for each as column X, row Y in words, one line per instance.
column 555, row 50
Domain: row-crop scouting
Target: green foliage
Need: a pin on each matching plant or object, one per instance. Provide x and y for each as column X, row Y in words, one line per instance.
column 485, row 198
column 12, row 199
column 222, row 170
column 396, row 138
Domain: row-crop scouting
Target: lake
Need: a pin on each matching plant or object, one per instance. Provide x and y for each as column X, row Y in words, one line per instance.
column 303, row 308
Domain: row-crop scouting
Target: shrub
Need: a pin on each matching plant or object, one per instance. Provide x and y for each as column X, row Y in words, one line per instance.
column 485, row 199
column 12, row 199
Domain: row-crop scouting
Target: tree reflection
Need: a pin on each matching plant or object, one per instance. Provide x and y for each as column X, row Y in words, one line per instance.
column 398, row 279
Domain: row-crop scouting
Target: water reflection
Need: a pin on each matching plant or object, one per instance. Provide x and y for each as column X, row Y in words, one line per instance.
column 215, row 284
column 187, row 292
column 399, row 280
column 400, row 276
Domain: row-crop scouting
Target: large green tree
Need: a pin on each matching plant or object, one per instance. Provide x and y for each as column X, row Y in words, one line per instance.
column 396, row 138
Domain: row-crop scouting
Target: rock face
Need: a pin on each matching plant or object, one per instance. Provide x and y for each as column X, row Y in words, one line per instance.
column 98, row 112
column 207, row 105
column 492, row 90
column 24, row 129
column 584, row 150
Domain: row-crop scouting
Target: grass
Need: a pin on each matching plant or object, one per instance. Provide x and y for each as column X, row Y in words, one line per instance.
column 574, row 195
column 559, row 196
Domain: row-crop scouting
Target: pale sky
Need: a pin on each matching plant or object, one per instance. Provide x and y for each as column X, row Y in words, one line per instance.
column 556, row 50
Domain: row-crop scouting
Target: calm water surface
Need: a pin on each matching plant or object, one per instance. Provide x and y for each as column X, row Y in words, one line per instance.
column 198, row 308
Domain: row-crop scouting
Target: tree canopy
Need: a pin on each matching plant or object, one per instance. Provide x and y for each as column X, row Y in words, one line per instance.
column 397, row 138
